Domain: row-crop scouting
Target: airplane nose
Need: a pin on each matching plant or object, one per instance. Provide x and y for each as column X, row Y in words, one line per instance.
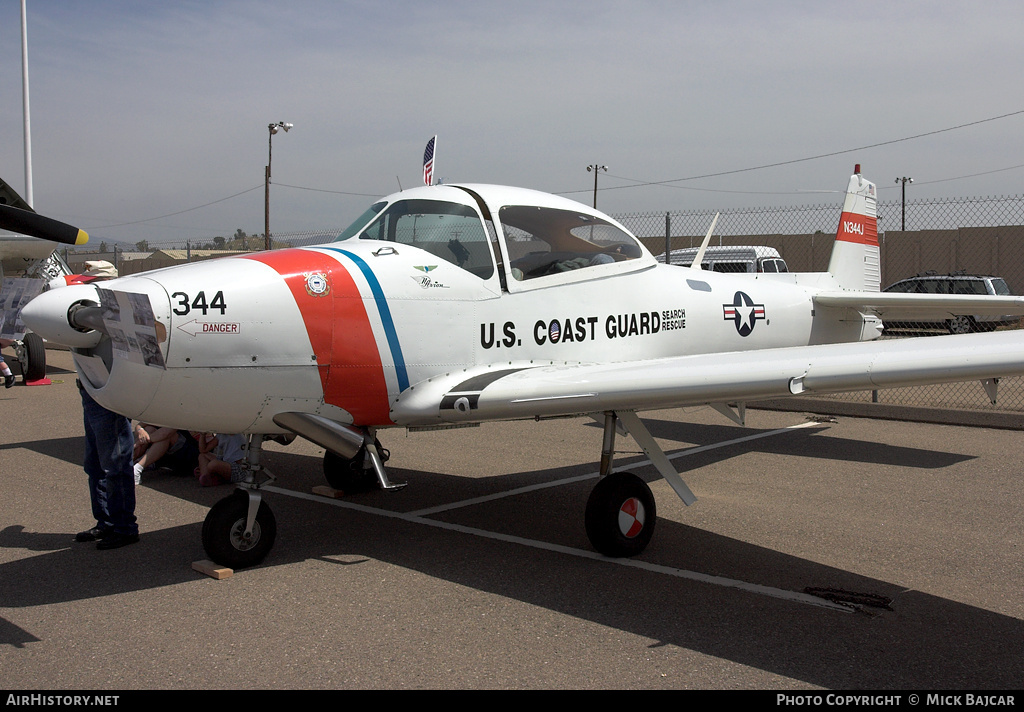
column 49, row 316
column 119, row 347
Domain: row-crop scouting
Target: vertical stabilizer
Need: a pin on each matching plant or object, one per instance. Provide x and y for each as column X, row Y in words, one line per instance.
column 855, row 261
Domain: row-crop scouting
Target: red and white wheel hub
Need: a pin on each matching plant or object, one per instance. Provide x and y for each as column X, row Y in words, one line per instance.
column 631, row 517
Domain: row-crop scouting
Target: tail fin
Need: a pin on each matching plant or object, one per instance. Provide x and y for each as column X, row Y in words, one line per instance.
column 855, row 261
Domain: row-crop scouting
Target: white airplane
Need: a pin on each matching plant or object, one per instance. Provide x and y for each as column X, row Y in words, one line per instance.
column 17, row 252
column 452, row 305
column 33, row 257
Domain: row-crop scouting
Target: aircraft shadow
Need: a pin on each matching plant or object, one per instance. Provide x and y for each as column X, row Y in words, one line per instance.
column 924, row 641
column 70, row 450
column 798, row 442
column 15, row 636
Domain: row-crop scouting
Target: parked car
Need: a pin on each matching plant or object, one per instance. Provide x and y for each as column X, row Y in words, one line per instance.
column 731, row 258
column 956, row 283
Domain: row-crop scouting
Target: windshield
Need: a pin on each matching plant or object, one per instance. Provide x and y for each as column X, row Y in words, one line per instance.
column 543, row 241
column 352, row 229
column 450, row 231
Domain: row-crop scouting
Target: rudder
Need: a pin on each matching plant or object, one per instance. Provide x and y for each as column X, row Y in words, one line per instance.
column 855, row 254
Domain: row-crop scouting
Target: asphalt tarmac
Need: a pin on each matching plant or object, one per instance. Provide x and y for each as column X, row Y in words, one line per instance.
column 479, row 575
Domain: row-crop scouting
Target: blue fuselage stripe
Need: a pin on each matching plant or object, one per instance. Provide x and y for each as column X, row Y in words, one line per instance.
column 385, row 317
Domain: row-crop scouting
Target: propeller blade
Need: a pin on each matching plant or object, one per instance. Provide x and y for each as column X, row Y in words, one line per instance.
column 36, row 225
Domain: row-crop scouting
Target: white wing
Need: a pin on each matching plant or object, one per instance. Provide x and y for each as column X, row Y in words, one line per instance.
column 524, row 391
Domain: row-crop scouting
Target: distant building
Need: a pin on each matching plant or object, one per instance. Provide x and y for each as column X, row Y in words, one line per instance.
column 135, row 262
column 169, row 258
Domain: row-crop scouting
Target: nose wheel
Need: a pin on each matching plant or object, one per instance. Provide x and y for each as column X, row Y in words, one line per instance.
column 239, row 530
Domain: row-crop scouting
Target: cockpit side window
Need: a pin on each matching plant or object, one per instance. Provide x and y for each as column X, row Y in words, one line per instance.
column 546, row 241
column 450, row 231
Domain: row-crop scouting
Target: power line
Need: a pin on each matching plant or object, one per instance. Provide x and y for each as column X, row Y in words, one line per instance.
column 803, row 192
column 221, row 200
column 700, row 190
column 640, row 184
column 335, row 192
column 972, row 175
column 179, row 212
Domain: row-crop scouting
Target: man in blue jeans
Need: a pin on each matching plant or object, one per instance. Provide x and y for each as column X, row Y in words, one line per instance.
column 108, row 463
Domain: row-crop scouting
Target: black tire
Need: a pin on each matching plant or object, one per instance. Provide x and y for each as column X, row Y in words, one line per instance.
column 33, row 361
column 350, row 475
column 961, row 325
column 224, row 528
column 621, row 515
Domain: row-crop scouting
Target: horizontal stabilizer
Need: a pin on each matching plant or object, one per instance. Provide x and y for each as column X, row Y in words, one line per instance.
column 899, row 306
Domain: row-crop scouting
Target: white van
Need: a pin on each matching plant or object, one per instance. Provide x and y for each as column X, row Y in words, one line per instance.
column 732, row 258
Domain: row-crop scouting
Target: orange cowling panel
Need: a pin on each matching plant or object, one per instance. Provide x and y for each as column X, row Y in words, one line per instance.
column 339, row 330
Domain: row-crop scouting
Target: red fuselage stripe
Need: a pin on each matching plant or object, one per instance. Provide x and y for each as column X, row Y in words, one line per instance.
column 339, row 330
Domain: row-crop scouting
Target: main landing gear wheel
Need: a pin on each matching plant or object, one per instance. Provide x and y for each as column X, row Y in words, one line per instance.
column 224, row 536
column 32, row 357
column 351, row 475
column 620, row 515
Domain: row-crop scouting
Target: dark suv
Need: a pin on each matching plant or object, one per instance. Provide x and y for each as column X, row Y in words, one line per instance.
column 956, row 283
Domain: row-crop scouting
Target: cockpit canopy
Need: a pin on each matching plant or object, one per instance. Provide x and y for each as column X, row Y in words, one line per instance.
column 544, row 241
column 535, row 237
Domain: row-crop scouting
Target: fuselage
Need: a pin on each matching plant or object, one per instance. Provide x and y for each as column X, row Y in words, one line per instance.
column 433, row 281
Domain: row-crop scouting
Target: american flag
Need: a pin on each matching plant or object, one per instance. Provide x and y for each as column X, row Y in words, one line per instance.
column 428, row 162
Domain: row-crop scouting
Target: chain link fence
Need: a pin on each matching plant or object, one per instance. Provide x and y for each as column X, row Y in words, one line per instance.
column 947, row 244
column 959, row 236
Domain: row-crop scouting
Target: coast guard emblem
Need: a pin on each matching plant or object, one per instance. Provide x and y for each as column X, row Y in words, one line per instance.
column 317, row 284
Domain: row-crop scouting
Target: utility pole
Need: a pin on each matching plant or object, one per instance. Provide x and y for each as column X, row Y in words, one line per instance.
column 903, row 209
column 596, row 169
column 273, row 128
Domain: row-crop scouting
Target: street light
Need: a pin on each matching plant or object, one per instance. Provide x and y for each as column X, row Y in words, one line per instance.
column 273, row 128
column 903, row 210
column 596, row 169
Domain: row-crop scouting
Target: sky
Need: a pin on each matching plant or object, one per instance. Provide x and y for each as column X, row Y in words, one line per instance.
column 149, row 119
